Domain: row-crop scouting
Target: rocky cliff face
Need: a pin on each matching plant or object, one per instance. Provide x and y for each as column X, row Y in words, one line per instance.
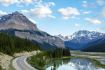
column 16, row 20
column 19, row 25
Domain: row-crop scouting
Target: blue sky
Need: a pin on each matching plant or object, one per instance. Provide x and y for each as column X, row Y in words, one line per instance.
column 60, row 16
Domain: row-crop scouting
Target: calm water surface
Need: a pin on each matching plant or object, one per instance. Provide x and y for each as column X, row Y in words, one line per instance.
column 72, row 64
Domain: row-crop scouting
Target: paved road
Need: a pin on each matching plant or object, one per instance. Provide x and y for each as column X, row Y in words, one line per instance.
column 21, row 64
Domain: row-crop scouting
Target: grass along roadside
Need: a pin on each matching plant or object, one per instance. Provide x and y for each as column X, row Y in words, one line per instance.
column 41, row 59
column 37, row 61
column 1, row 68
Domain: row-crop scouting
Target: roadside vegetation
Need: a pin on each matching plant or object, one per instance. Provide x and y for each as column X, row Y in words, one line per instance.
column 55, row 58
column 11, row 44
column 1, row 68
column 41, row 59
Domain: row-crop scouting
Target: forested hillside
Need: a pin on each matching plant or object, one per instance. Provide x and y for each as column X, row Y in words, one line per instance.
column 97, row 46
column 11, row 44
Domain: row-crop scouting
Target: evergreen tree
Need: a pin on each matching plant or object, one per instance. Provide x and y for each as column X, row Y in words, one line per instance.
column 11, row 44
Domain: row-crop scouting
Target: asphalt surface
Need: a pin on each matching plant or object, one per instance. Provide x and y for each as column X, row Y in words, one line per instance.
column 20, row 63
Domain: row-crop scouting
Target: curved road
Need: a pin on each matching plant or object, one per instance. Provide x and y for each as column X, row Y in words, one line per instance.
column 21, row 64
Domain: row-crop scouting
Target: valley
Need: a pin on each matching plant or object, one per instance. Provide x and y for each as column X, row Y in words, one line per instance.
column 26, row 47
column 18, row 35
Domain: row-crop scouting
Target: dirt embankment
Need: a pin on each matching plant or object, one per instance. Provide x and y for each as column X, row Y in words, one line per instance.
column 5, row 59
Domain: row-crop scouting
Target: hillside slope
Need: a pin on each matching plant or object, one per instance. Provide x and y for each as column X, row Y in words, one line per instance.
column 97, row 46
column 11, row 44
column 19, row 25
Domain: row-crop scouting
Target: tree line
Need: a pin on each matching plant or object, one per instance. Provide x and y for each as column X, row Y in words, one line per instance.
column 12, row 44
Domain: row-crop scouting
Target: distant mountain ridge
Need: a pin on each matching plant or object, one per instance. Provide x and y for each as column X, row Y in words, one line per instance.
column 64, row 38
column 96, row 46
column 80, row 39
column 19, row 25
column 90, row 35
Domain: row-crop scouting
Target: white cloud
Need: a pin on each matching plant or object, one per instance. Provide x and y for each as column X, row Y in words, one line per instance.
column 9, row 2
column 86, row 12
column 42, row 10
column 101, row 2
column 103, row 12
column 85, row 4
column 93, row 21
column 69, row 12
column 2, row 13
column 49, row 4
column 28, row 1
column 24, row 11
column 84, row 1
column 77, row 25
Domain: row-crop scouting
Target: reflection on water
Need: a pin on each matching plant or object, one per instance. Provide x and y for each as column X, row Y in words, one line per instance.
column 72, row 64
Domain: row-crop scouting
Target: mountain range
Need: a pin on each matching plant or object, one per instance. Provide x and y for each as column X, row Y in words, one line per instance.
column 85, row 40
column 17, row 24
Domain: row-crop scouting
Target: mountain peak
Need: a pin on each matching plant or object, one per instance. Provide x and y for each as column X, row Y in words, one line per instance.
column 80, row 39
column 17, row 15
column 82, row 32
column 86, row 33
column 16, row 12
column 86, row 36
column 82, row 35
column 16, row 20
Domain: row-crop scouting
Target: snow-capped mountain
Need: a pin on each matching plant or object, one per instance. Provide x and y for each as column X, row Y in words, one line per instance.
column 19, row 25
column 84, row 36
column 80, row 39
column 64, row 38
